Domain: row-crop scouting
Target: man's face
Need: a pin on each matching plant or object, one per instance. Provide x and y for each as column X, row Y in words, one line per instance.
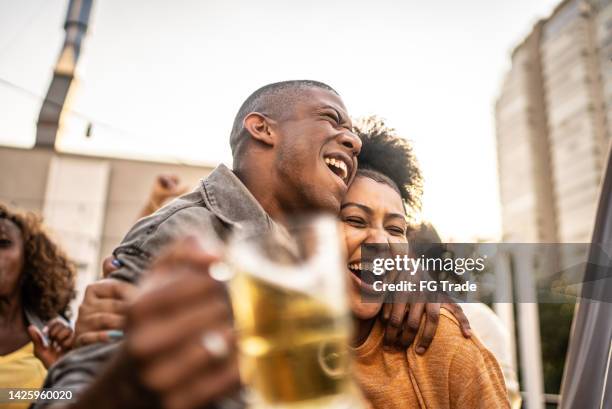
column 316, row 156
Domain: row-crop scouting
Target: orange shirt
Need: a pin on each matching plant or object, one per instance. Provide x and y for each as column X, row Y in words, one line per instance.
column 454, row 373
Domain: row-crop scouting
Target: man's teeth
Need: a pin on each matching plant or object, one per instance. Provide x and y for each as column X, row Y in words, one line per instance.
column 356, row 266
column 339, row 165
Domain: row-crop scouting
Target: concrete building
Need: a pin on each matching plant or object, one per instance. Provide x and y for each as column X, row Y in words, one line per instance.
column 523, row 152
column 88, row 203
column 553, row 120
column 603, row 27
column 553, row 125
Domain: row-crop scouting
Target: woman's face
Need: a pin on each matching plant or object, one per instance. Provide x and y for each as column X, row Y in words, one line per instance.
column 371, row 212
column 11, row 258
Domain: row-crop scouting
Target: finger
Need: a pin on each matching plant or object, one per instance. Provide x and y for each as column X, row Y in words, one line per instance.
column 391, row 299
column 89, row 338
column 464, row 323
column 64, row 337
column 401, row 308
column 386, row 311
column 42, row 349
column 176, row 292
column 432, row 312
column 107, row 305
column 206, row 388
column 56, row 347
column 175, row 369
column 108, row 266
column 37, row 338
column 68, row 343
column 110, row 288
column 412, row 324
column 394, row 324
column 163, row 333
column 53, row 327
column 104, row 321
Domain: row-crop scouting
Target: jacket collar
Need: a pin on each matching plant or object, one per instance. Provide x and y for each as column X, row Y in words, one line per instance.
column 229, row 199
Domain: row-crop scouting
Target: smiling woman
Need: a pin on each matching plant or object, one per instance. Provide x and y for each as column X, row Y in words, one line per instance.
column 455, row 372
column 36, row 285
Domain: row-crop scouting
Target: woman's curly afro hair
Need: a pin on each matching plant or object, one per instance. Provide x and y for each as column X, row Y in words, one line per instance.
column 386, row 153
column 48, row 276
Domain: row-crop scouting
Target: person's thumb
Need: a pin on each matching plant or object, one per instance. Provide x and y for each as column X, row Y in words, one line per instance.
column 109, row 265
column 37, row 339
column 41, row 346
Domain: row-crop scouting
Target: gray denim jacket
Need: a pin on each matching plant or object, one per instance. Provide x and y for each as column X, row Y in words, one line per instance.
column 220, row 204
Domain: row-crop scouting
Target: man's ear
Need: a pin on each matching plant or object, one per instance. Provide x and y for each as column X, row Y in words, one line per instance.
column 259, row 127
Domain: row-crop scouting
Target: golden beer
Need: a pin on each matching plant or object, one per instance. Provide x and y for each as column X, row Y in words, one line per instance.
column 293, row 334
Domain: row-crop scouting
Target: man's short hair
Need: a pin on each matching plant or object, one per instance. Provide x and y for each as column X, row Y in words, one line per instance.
column 274, row 100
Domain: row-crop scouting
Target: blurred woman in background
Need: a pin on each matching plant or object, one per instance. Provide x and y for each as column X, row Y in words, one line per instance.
column 36, row 286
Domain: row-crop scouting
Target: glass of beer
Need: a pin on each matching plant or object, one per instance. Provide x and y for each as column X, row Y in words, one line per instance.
column 292, row 316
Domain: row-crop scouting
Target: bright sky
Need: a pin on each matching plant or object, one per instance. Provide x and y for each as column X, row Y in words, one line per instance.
column 163, row 80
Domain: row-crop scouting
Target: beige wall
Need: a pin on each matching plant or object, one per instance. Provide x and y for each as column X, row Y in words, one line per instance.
column 24, row 179
column 130, row 184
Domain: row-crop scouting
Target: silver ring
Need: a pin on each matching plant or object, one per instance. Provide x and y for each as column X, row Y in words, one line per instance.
column 215, row 344
column 221, row 272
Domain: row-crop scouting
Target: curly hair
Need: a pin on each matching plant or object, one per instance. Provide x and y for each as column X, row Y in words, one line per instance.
column 385, row 152
column 48, row 275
